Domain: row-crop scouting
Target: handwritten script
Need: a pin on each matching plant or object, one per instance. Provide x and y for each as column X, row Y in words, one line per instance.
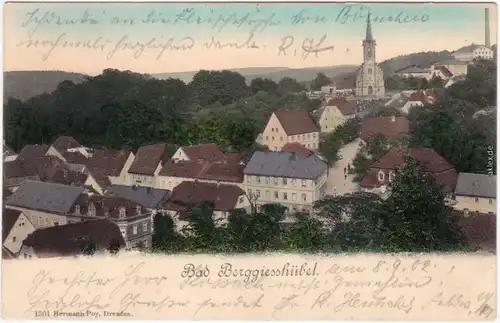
column 159, row 32
column 285, row 287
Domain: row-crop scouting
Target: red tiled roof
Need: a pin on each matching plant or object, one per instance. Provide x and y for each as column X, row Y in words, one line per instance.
column 345, row 107
column 110, row 162
column 33, row 151
column 102, row 180
column 296, row 122
column 147, row 159
column 388, row 127
column 188, row 193
column 295, row 147
column 42, row 167
column 108, row 206
column 75, row 157
column 227, row 171
column 70, row 239
column 204, row 152
column 345, row 84
column 427, row 97
column 67, row 177
column 63, row 143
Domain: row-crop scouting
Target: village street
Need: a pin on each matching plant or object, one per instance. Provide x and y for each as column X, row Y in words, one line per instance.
column 337, row 183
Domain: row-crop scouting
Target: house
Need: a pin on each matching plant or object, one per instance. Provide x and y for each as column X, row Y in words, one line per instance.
column 472, row 52
column 382, row 172
column 286, row 126
column 418, row 99
column 452, row 67
column 151, row 198
column 479, row 229
column 64, row 143
column 74, row 178
column 147, row 164
column 113, row 163
column 33, row 151
column 441, row 72
column 133, row 219
column 388, row 127
column 454, row 80
column 225, row 198
column 334, row 113
column 414, row 71
column 15, row 228
column 476, row 193
column 287, row 178
column 45, row 204
column 295, row 147
column 8, row 153
column 72, row 239
column 39, row 168
column 201, row 152
column 345, row 86
column 329, row 90
column 227, row 170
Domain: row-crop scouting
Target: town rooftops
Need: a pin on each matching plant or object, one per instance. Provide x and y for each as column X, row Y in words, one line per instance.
column 45, row 197
column 446, row 72
column 71, row 239
column 450, row 61
column 147, row 159
column 388, row 127
column 189, row 193
column 476, row 185
column 467, row 49
column 107, row 206
column 425, row 97
column 230, row 170
column 9, row 218
column 285, row 164
column 296, row 122
column 63, row 143
column 295, row 147
column 110, row 162
column 345, row 107
column 413, row 69
column 75, row 157
column 204, row 152
column 33, row 151
column 146, row 196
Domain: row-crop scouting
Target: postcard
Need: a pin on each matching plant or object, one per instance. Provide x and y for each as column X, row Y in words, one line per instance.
column 249, row 161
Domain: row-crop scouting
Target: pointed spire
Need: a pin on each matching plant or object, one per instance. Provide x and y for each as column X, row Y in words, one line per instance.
column 369, row 36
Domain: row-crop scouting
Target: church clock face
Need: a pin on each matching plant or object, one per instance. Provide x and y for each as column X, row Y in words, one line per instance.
column 369, row 52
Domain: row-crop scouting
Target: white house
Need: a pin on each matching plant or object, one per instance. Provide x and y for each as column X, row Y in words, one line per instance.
column 472, row 52
column 15, row 228
column 334, row 113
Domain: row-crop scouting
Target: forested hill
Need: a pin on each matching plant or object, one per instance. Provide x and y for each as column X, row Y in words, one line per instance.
column 23, row 85
column 422, row 59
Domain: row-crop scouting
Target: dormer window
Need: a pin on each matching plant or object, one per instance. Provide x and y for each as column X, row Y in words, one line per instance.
column 77, row 209
column 91, row 211
column 380, row 176
column 138, row 209
column 122, row 212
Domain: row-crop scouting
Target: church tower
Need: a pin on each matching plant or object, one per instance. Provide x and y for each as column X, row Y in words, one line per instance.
column 369, row 77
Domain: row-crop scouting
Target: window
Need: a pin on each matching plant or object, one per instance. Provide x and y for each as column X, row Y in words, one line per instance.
column 314, row 135
column 294, row 197
column 250, row 192
column 285, row 181
column 241, row 199
column 276, row 181
column 267, row 137
column 257, row 193
column 276, row 196
column 144, row 227
column 138, row 209
column 380, row 176
column 292, row 137
column 249, row 179
column 145, row 243
column 134, row 229
column 268, row 194
column 122, row 213
column 258, row 179
column 293, row 182
column 267, row 180
column 308, row 135
column 56, row 224
column 13, row 239
column 370, row 70
column 490, row 201
column 304, row 198
column 25, row 256
column 272, row 138
column 476, row 200
column 91, row 209
column 285, row 196
column 303, row 137
column 303, row 183
column 77, row 209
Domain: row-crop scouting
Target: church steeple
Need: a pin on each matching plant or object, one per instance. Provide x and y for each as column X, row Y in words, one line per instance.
column 369, row 36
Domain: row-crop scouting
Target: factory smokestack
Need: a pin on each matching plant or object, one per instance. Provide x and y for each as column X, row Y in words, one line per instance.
column 487, row 27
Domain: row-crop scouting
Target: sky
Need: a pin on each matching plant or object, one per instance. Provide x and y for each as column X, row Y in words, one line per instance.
column 162, row 37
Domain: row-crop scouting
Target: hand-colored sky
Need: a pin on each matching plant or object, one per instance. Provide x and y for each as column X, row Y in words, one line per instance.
column 82, row 37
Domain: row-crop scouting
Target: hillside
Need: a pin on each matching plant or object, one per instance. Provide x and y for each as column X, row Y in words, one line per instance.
column 26, row 84
column 422, row 59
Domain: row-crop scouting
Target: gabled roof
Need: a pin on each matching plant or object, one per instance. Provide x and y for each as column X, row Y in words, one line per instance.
column 296, row 122
column 345, row 107
column 110, row 162
column 425, row 97
column 146, row 196
column 388, row 127
column 108, row 206
column 33, row 151
column 204, row 152
column 67, row 177
column 9, row 218
column 295, row 147
column 230, row 170
column 190, row 193
column 446, row 72
column 71, row 239
column 147, row 159
column 285, row 164
column 102, row 180
column 427, row 158
column 476, row 185
column 413, row 69
column 42, row 167
column 63, row 143
column 467, row 49
column 46, row 197
column 75, row 157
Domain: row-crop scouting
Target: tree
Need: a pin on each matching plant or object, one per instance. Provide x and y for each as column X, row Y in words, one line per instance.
column 226, row 87
column 320, row 80
column 345, row 133
column 90, row 247
column 289, row 85
column 263, row 84
column 114, row 246
column 307, row 234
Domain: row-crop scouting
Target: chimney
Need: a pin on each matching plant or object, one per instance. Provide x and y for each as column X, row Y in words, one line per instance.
column 487, row 27
column 393, row 118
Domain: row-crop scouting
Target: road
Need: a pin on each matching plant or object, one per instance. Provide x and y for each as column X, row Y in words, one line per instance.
column 337, row 184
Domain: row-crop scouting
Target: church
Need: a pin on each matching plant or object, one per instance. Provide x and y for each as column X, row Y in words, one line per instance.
column 369, row 76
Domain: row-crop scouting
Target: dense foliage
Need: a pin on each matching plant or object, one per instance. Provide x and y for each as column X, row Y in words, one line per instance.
column 398, row 83
column 332, row 142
